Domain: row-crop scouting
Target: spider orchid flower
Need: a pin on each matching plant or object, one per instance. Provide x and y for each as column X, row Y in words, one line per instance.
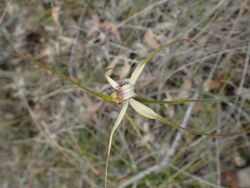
column 125, row 94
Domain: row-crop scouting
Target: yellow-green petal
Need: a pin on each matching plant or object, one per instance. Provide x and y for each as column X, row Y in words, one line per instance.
column 111, row 81
column 116, row 125
column 149, row 113
column 143, row 109
column 138, row 70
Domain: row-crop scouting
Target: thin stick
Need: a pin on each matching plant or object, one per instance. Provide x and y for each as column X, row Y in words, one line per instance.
column 217, row 142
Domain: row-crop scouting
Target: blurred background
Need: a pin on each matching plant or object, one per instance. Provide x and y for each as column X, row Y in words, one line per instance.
column 53, row 134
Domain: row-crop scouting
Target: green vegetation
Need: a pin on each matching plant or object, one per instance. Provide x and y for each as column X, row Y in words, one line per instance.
column 54, row 131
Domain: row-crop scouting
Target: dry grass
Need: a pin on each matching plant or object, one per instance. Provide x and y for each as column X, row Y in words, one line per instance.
column 55, row 135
